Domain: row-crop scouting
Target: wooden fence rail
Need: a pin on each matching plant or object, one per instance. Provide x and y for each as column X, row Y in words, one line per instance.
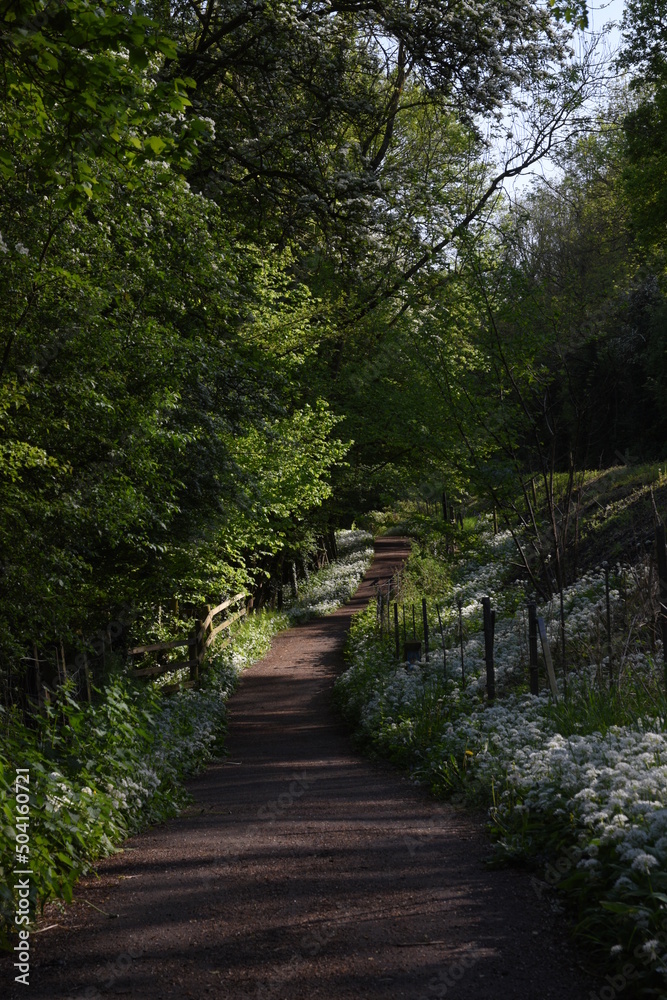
column 88, row 658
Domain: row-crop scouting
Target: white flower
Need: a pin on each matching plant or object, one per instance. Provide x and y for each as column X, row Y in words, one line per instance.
column 650, row 948
column 644, row 862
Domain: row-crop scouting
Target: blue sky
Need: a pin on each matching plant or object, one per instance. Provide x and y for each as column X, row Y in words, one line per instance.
column 602, row 12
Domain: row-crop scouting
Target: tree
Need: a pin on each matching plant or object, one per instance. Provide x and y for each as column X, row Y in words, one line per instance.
column 546, row 352
column 644, row 35
column 356, row 131
column 643, row 53
column 183, row 360
column 150, row 383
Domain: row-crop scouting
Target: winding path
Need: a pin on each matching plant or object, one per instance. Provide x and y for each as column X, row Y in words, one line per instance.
column 303, row 871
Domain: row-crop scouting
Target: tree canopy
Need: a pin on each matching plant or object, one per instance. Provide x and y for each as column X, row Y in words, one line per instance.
column 259, row 275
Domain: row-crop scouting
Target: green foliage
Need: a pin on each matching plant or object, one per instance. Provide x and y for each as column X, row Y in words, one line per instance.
column 379, row 174
column 590, row 710
column 576, row 12
column 588, row 817
column 155, row 429
column 100, row 772
column 409, row 737
column 646, row 169
column 333, row 312
column 79, row 82
column 185, row 365
column 644, row 33
column 93, row 779
column 371, row 659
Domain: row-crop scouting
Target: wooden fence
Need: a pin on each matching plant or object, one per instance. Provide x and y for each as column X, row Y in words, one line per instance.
column 87, row 660
column 47, row 670
column 199, row 640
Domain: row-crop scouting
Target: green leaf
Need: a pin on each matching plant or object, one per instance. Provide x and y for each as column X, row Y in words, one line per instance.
column 138, row 57
column 614, row 907
column 155, row 143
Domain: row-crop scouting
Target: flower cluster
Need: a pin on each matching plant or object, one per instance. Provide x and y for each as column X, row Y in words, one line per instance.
column 332, row 586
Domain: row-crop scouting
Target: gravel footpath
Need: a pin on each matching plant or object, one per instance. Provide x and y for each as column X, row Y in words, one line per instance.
column 304, row 871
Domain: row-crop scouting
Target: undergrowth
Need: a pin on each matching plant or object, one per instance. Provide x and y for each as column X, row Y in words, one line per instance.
column 102, row 771
column 575, row 789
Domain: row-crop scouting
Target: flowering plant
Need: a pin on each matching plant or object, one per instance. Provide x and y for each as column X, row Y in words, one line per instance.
column 587, row 776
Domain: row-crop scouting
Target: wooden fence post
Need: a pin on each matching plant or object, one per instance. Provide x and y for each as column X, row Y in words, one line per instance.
column 605, row 566
column 489, row 629
column 396, row 634
column 194, row 650
column 333, row 543
column 662, row 580
column 209, row 627
column 542, row 629
column 88, row 676
column 30, row 693
column 532, row 648
column 38, row 675
column 562, row 637
column 444, row 651
column 463, row 669
column 425, row 623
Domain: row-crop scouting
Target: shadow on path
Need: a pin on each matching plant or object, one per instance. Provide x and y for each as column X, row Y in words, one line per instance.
column 303, row 870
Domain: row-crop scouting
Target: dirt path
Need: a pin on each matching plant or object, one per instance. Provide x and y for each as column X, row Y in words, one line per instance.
column 305, row 871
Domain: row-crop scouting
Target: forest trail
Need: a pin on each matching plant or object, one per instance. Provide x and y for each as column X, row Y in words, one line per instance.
column 303, row 870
